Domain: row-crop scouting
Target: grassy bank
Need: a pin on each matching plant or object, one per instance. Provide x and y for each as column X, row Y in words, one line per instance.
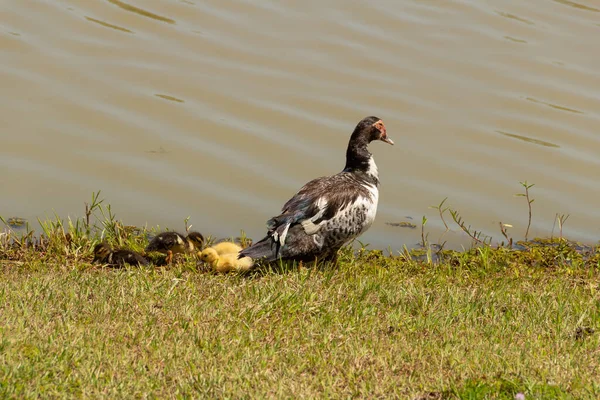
column 486, row 323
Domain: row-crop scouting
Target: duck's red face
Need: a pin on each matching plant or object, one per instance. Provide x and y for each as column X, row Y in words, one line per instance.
column 382, row 132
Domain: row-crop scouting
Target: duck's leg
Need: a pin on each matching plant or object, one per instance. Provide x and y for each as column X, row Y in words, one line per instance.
column 169, row 257
column 333, row 259
column 330, row 259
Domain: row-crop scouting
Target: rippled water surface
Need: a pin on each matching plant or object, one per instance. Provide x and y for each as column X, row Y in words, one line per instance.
column 221, row 110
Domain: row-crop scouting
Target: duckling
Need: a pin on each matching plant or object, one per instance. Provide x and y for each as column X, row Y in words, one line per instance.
column 226, row 262
column 173, row 242
column 117, row 258
column 226, row 248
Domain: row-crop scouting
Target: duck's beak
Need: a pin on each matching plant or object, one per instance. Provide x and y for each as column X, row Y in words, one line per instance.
column 384, row 137
column 387, row 140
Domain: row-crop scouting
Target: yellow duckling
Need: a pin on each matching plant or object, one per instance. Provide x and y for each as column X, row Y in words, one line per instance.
column 226, row 248
column 226, row 262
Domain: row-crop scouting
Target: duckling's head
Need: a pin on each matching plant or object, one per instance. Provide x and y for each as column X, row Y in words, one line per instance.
column 101, row 251
column 209, row 256
column 196, row 238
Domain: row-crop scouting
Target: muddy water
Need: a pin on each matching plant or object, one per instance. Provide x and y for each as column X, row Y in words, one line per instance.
column 221, row 110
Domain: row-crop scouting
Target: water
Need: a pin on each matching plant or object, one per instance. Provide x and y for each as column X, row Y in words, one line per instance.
column 221, row 111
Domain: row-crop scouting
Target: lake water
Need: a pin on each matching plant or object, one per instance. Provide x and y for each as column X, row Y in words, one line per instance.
column 222, row 110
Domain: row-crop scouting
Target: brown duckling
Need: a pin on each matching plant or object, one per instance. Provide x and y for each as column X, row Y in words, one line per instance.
column 172, row 242
column 226, row 262
column 117, row 258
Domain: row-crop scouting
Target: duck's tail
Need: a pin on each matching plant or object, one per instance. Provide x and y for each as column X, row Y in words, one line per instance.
column 266, row 250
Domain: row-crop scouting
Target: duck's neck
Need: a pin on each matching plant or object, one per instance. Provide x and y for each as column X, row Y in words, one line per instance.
column 360, row 161
column 189, row 245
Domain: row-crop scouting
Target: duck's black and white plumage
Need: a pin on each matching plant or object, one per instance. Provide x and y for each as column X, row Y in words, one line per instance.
column 172, row 242
column 327, row 212
column 117, row 258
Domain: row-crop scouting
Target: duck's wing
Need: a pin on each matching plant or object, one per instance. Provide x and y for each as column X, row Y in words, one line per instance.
column 121, row 257
column 305, row 214
column 316, row 203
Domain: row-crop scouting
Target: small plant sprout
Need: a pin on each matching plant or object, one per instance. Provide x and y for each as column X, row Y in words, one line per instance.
column 423, row 236
column 90, row 208
column 442, row 210
column 560, row 219
column 527, row 186
column 405, row 254
column 472, row 233
column 111, row 227
column 244, row 240
column 485, row 254
column 187, row 226
column 503, row 227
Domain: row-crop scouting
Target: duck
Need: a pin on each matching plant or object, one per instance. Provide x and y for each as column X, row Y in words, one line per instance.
column 171, row 242
column 330, row 211
column 117, row 258
column 226, row 262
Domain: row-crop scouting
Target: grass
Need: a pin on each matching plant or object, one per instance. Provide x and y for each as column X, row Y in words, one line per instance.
column 484, row 323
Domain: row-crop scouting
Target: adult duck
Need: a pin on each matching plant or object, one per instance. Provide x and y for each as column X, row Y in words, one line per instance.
column 327, row 212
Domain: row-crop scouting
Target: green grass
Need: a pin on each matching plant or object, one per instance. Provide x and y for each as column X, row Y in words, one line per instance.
column 481, row 324
column 485, row 323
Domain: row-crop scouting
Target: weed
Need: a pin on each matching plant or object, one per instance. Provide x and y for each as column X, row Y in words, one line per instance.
column 477, row 236
column 560, row 219
column 527, row 186
column 423, row 236
column 509, row 240
column 441, row 210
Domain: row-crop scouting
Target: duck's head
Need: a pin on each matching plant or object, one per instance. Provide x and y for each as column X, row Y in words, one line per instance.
column 209, row 255
column 372, row 128
column 196, row 239
column 101, row 251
